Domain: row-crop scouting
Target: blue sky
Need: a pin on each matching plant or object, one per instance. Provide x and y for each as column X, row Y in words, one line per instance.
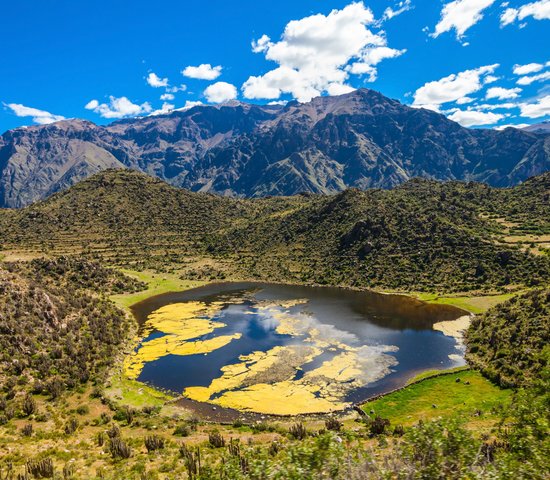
column 480, row 62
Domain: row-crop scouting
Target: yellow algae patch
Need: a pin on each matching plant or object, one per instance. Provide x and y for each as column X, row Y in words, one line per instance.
column 282, row 398
column 180, row 322
column 277, row 364
column 454, row 328
column 171, row 345
column 188, row 319
column 343, row 367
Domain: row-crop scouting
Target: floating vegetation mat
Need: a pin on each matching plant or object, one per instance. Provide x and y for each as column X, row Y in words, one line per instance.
column 252, row 352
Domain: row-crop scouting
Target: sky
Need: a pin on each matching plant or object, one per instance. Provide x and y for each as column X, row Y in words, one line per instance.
column 482, row 63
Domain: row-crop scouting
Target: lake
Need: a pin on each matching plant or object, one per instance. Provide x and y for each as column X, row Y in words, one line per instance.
column 287, row 349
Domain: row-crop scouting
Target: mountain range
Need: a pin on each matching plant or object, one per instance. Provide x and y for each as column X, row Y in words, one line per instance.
column 361, row 139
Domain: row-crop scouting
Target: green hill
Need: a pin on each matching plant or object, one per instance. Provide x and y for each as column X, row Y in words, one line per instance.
column 423, row 235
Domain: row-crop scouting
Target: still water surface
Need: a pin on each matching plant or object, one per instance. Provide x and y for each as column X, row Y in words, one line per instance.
column 388, row 337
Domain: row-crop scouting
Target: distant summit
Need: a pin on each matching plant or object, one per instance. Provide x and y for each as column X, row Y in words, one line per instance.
column 361, row 139
column 543, row 127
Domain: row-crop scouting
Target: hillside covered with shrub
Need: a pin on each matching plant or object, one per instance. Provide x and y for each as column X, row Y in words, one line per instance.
column 510, row 343
column 424, row 235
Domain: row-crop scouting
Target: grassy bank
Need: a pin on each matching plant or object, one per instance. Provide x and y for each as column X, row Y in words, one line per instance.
column 471, row 303
column 473, row 398
column 157, row 284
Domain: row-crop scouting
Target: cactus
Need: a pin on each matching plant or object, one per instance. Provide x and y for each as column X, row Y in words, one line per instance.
column 42, row 468
column 216, row 439
column 119, row 448
column 192, row 459
column 154, row 442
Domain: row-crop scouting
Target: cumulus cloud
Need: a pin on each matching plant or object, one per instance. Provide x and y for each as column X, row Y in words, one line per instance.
column 502, row 93
column 464, row 100
column 453, row 87
column 460, row 15
column 118, row 108
column 155, row 81
column 220, row 92
column 537, row 109
column 528, row 68
column 38, row 116
column 316, row 55
column 528, row 80
column 204, row 71
column 167, row 96
column 470, row 118
column 538, row 10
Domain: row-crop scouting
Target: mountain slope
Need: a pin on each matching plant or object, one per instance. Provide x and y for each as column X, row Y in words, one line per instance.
column 361, row 139
column 424, row 235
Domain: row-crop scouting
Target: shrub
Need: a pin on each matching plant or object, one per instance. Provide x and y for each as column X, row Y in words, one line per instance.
column 29, row 405
column 298, row 431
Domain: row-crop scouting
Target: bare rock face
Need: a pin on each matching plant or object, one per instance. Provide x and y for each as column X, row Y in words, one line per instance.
column 361, row 139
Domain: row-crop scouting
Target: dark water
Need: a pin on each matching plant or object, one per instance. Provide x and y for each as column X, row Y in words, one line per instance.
column 363, row 318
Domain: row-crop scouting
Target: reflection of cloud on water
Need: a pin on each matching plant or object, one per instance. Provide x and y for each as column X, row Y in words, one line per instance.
column 374, row 362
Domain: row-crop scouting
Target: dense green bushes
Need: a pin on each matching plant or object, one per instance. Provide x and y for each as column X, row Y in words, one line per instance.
column 56, row 332
column 510, row 343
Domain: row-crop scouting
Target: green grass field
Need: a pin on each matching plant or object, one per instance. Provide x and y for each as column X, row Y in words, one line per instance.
column 416, row 402
column 158, row 283
column 471, row 303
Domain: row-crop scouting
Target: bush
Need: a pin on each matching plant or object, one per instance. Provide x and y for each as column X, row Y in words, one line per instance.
column 298, row 431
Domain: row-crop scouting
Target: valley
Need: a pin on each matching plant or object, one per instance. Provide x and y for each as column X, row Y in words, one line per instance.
column 111, row 248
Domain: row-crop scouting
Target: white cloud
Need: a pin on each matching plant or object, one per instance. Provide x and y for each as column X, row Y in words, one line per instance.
column 155, row 81
column 181, row 88
column 517, row 125
column 401, row 7
column 537, row 109
column 220, row 92
column 166, row 108
column 316, row 55
column 528, row 68
column 528, row 80
column 538, row 10
column 490, row 79
column 502, row 93
column 460, row 15
column 167, row 96
column 464, row 100
column 118, row 108
column 204, row 71
column 496, row 106
column 453, row 87
column 38, row 116
column 470, row 118
column 190, row 104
